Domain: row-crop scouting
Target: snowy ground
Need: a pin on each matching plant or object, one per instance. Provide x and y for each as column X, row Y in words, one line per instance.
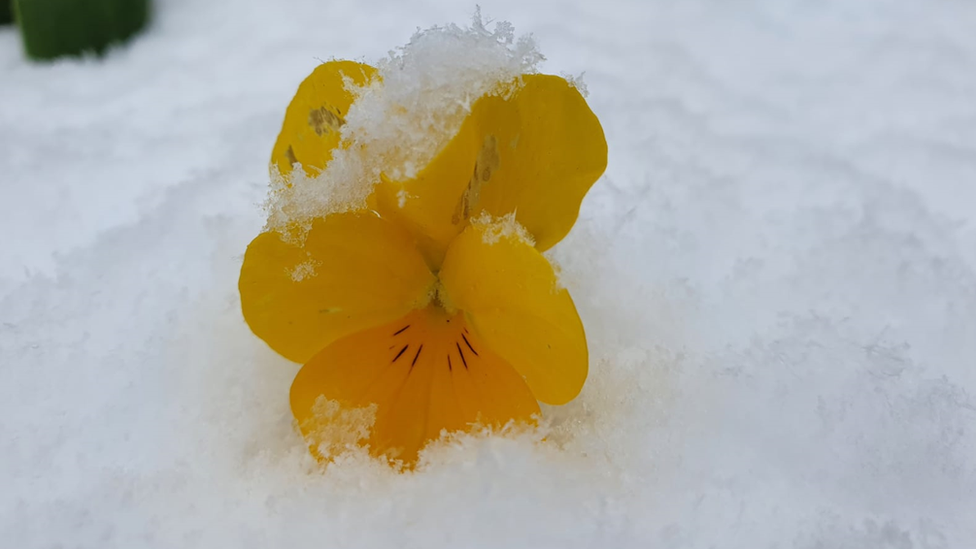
column 777, row 275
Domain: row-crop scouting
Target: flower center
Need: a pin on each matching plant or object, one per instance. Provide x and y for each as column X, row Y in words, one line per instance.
column 436, row 335
column 440, row 298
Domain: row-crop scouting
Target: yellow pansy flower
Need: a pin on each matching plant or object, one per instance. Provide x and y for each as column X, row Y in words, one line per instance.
column 432, row 305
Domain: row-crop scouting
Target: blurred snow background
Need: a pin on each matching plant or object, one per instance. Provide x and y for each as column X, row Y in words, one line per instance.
column 777, row 275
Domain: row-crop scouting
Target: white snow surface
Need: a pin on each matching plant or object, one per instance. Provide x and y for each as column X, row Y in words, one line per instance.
column 777, row 275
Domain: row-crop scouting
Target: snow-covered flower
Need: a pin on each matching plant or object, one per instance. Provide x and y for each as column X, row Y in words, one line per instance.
column 432, row 306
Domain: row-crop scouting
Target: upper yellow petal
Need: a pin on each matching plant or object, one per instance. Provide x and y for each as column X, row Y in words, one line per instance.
column 551, row 149
column 431, row 205
column 353, row 271
column 535, row 152
column 311, row 127
column 512, row 300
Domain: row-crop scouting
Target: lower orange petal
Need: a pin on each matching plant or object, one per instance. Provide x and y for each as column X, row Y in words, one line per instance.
column 415, row 378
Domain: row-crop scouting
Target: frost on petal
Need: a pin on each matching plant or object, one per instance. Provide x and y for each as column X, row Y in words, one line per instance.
column 304, row 270
column 334, row 429
column 576, row 81
column 401, row 119
column 506, row 226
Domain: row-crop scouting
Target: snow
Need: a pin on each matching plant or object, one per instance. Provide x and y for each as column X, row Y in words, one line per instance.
column 493, row 229
column 777, row 276
column 404, row 117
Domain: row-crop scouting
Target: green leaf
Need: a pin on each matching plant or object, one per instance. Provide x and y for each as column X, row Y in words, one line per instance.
column 54, row 28
column 6, row 12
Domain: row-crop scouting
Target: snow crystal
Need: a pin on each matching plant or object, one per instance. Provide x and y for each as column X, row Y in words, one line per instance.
column 577, row 82
column 339, row 429
column 777, row 277
column 494, row 228
column 305, row 269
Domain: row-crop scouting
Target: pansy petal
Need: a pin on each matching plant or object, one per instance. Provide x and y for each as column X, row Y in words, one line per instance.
column 354, row 270
column 535, row 152
column 424, row 374
column 311, row 127
column 431, row 204
column 512, row 301
column 547, row 165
